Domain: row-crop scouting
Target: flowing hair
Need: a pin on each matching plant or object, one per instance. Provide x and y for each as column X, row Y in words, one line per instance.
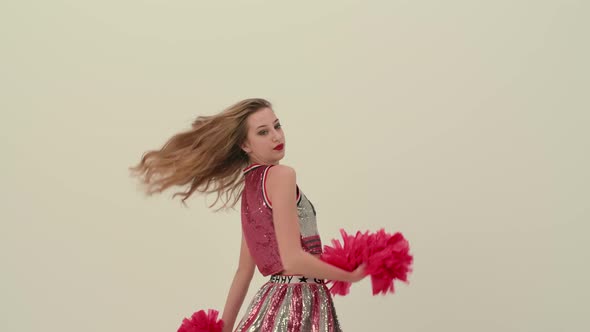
column 207, row 157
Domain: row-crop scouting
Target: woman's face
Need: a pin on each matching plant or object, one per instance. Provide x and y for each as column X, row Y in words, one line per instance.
column 265, row 142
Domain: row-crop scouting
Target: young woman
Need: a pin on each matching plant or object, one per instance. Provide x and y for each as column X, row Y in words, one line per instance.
column 236, row 154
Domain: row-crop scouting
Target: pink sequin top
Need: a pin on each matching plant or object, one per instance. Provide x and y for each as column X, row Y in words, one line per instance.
column 258, row 227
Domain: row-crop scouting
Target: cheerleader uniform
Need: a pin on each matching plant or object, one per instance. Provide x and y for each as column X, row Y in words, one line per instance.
column 285, row 303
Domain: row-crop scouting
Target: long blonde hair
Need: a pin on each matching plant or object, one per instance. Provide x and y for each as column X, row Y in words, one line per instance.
column 207, row 157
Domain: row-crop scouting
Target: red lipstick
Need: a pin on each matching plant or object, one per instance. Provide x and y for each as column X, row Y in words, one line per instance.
column 279, row 147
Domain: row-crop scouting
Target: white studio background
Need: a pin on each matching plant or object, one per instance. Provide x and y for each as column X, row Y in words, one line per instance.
column 461, row 124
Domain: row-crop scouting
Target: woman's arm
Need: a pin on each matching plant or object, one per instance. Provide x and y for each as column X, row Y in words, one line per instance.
column 239, row 287
column 281, row 185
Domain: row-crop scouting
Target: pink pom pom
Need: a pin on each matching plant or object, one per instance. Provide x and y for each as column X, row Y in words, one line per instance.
column 386, row 256
column 388, row 259
column 347, row 257
column 202, row 322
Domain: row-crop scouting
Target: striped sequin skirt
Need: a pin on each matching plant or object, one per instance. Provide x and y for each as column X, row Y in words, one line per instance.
column 291, row 304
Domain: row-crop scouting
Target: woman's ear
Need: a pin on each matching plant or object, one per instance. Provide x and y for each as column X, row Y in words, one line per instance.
column 245, row 148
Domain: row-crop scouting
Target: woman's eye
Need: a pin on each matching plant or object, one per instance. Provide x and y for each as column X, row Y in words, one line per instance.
column 264, row 132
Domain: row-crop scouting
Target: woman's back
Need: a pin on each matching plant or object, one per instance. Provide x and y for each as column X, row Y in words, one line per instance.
column 258, row 226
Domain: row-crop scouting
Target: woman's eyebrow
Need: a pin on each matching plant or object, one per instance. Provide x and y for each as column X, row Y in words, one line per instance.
column 277, row 120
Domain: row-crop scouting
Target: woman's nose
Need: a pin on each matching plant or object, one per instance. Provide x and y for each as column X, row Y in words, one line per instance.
column 277, row 136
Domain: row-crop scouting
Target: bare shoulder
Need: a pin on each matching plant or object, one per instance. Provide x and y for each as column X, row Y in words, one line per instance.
column 280, row 174
column 282, row 170
column 279, row 181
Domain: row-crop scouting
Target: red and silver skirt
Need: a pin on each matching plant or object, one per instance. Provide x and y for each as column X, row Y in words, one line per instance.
column 291, row 304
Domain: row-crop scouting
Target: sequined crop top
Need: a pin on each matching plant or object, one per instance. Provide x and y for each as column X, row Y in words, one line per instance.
column 257, row 222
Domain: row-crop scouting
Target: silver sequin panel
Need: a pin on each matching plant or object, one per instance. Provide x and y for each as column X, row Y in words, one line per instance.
column 307, row 217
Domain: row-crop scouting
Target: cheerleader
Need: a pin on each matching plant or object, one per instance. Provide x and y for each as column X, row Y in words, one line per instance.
column 236, row 154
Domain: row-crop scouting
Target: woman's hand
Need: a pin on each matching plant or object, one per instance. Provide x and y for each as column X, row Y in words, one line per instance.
column 358, row 274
